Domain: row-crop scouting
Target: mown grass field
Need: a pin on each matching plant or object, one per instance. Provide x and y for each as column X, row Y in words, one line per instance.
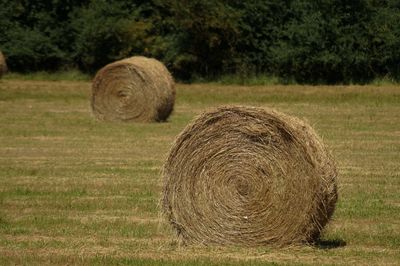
column 77, row 191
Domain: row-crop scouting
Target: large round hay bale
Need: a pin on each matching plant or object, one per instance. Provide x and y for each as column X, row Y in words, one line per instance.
column 133, row 89
column 248, row 176
column 3, row 65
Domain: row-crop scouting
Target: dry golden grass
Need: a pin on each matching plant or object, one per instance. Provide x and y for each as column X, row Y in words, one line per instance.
column 76, row 191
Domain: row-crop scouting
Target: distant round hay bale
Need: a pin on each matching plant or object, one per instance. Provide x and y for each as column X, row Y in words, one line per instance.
column 134, row 89
column 3, row 65
column 248, row 176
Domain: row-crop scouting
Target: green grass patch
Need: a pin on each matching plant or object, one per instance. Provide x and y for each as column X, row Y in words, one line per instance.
column 71, row 75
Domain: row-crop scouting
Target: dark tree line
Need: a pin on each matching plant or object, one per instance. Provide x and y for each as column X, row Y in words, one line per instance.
column 320, row 41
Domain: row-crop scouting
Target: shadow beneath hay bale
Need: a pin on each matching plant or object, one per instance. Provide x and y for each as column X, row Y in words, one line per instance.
column 163, row 121
column 330, row 244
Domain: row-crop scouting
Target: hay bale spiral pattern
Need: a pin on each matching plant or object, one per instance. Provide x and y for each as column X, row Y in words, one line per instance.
column 248, row 176
column 136, row 89
column 3, row 65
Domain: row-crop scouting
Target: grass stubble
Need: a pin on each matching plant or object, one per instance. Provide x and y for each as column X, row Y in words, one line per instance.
column 77, row 191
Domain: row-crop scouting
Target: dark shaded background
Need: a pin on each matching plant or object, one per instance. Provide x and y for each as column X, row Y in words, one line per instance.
column 321, row 41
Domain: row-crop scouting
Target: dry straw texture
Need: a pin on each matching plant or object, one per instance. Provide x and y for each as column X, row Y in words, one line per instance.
column 248, row 176
column 3, row 65
column 133, row 89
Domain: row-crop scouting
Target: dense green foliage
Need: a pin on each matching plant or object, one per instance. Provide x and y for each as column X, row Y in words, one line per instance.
column 323, row 41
